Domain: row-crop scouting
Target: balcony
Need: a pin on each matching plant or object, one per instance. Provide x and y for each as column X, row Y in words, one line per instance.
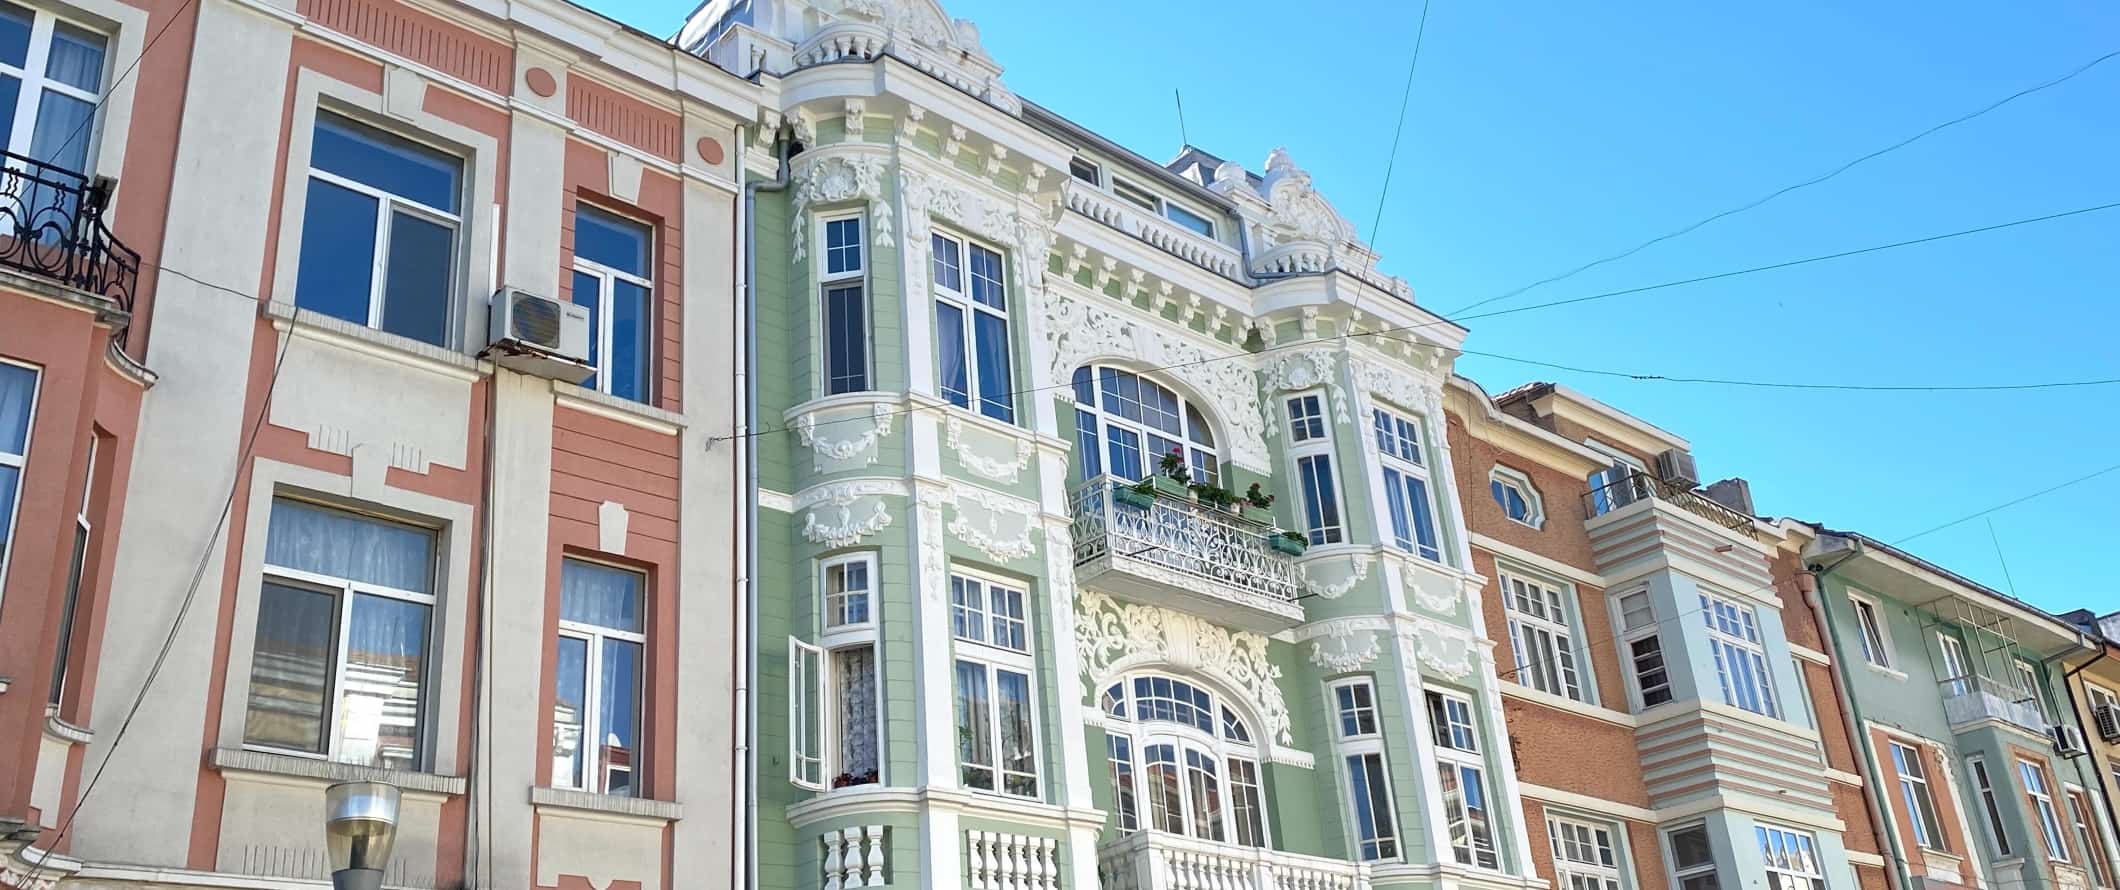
column 1639, row 486
column 1166, row 551
column 51, row 226
column 1972, row 699
column 1164, row 235
column 1152, row 860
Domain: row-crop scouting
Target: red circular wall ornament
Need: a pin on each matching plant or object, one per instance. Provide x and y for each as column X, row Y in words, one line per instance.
column 540, row 82
column 709, row 150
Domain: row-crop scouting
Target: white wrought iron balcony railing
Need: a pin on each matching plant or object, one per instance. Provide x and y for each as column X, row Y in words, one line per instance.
column 1170, row 551
column 1152, row 860
column 1973, row 698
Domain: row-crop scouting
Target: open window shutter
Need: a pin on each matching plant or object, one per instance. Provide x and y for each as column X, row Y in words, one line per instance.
column 1628, row 482
column 805, row 714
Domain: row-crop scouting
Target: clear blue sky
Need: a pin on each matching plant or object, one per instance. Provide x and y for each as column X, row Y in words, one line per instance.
column 1544, row 134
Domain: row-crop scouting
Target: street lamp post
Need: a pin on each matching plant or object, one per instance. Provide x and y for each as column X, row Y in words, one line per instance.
column 360, row 827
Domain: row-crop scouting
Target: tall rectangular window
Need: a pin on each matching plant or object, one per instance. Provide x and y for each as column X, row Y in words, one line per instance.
column 76, row 569
column 805, row 714
column 18, row 402
column 1645, row 649
column 1361, row 744
column 51, row 78
column 1693, row 858
column 1540, row 636
column 1871, row 622
column 340, row 665
column 2039, row 791
column 1318, row 493
column 971, row 327
column 996, row 725
column 1584, row 855
column 1919, row 799
column 2079, row 810
column 379, row 231
column 597, row 707
column 1956, row 670
column 833, row 688
column 849, row 590
column 614, row 279
column 2028, row 683
column 1740, row 655
column 1406, row 484
column 1791, row 858
column 1119, row 754
column 843, row 273
column 1984, row 785
column 1462, row 774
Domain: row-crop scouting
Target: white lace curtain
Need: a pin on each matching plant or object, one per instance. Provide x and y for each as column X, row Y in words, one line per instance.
column 854, row 672
column 343, row 545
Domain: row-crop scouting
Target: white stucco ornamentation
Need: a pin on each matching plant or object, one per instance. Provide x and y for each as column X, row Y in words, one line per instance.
column 826, row 178
column 1081, row 332
column 1344, row 644
column 832, row 520
column 1446, row 649
column 934, row 559
column 1435, row 598
column 1357, row 572
column 1413, row 392
column 1301, row 369
column 997, row 469
column 1028, row 236
column 862, row 445
column 1112, row 638
column 1001, row 541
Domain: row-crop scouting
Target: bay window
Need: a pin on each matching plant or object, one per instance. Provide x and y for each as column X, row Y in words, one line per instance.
column 843, row 275
column 997, row 747
column 597, row 697
column 51, row 78
column 18, row 402
column 1198, row 771
column 1361, row 747
column 1740, row 655
column 379, row 231
column 1462, row 774
column 1406, row 491
column 341, row 658
column 1126, row 423
column 613, row 279
column 1539, row 635
column 1984, row 785
column 971, row 327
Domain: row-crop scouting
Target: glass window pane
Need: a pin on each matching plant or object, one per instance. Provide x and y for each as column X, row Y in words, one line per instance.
column 1019, row 766
column 611, row 240
column 588, row 293
column 987, row 288
column 63, row 132
column 618, row 726
column 975, row 742
column 343, row 545
column 387, row 162
column 76, row 58
column 600, row 595
column 18, row 391
column 947, row 274
column 996, row 397
column 949, row 345
column 842, row 246
column 290, row 671
column 416, row 279
column 570, row 700
column 846, row 340
column 14, row 34
column 386, row 653
column 338, row 252
column 632, row 326
column 10, row 92
column 1086, row 444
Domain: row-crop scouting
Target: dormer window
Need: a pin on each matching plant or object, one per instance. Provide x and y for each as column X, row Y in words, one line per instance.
column 1085, row 171
column 1187, row 219
column 1136, row 195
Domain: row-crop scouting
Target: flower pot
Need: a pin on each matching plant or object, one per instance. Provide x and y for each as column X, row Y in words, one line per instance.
column 1171, row 488
column 1130, row 497
column 1288, row 545
column 1258, row 515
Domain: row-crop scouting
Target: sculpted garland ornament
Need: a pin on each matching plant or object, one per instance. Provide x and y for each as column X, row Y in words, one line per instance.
column 843, row 449
column 1112, row 638
column 1081, row 332
column 840, row 177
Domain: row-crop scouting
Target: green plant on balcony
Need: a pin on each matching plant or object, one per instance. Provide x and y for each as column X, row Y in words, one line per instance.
column 1292, row 543
column 1141, row 494
column 1257, row 506
column 1172, row 479
column 1212, row 495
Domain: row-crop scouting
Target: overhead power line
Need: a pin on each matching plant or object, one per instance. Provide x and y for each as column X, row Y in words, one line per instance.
column 1779, row 384
column 1770, row 196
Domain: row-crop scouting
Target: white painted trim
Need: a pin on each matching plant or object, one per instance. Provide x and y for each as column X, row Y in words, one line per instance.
column 1858, row 857
column 1809, row 654
column 1521, row 692
column 623, row 410
column 1587, row 803
column 1498, row 547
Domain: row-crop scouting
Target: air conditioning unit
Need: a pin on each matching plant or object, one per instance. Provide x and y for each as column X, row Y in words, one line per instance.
column 1676, row 467
column 2107, row 720
column 2068, row 740
column 539, row 335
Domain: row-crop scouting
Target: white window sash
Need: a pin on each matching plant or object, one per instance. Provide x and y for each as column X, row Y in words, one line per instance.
column 387, row 204
column 992, row 666
column 806, row 712
column 592, row 762
column 1140, row 734
column 343, row 592
column 606, row 306
column 1558, row 637
column 34, row 84
column 824, row 247
column 10, row 508
column 1106, row 421
column 824, row 594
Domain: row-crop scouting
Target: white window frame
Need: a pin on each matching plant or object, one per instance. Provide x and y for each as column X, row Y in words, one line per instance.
column 1314, row 448
column 828, row 281
column 995, row 658
column 1957, row 663
column 1359, row 747
column 2027, row 675
column 20, row 464
column 2084, row 815
column 35, row 83
column 76, row 572
column 1096, row 171
column 1573, row 839
column 1534, row 506
column 387, row 205
column 606, row 303
column 1540, row 641
column 2046, row 814
column 814, row 684
column 1632, row 636
column 825, row 596
column 1461, row 761
column 1203, row 458
column 1990, row 804
column 594, row 770
column 343, row 591
column 1401, row 443
column 1601, row 482
column 1917, row 795
column 1800, row 847
column 1681, row 874
column 1872, row 630
column 806, row 714
column 1220, row 745
column 1745, row 641
column 960, row 298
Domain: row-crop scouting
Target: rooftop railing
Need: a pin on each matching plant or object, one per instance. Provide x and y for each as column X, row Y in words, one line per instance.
column 1640, row 486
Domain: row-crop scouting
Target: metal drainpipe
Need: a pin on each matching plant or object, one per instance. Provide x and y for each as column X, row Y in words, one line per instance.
column 2111, row 815
column 747, row 704
column 1851, row 720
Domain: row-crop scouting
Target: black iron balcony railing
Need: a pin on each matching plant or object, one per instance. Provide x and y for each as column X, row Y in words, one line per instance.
column 1639, row 486
column 51, row 226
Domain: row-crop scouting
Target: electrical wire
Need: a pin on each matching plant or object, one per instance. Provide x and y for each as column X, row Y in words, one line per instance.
column 98, row 107
column 1777, row 193
column 1776, row 384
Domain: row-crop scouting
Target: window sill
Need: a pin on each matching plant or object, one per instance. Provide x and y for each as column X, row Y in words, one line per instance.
column 361, row 338
column 641, row 414
column 244, row 760
column 607, row 804
column 1881, row 669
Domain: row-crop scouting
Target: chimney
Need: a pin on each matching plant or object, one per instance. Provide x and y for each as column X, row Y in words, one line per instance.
column 1734, row 493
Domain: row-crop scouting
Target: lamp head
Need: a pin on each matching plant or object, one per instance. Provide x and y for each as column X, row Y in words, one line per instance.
column 360, row 825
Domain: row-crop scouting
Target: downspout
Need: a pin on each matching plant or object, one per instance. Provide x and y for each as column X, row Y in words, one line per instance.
column 1851, row 720
column 2068, row 677
column 747, row 461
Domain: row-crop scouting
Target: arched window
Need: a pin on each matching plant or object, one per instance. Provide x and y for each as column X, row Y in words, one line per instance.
column 1125, row 423
column 1182, row 762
